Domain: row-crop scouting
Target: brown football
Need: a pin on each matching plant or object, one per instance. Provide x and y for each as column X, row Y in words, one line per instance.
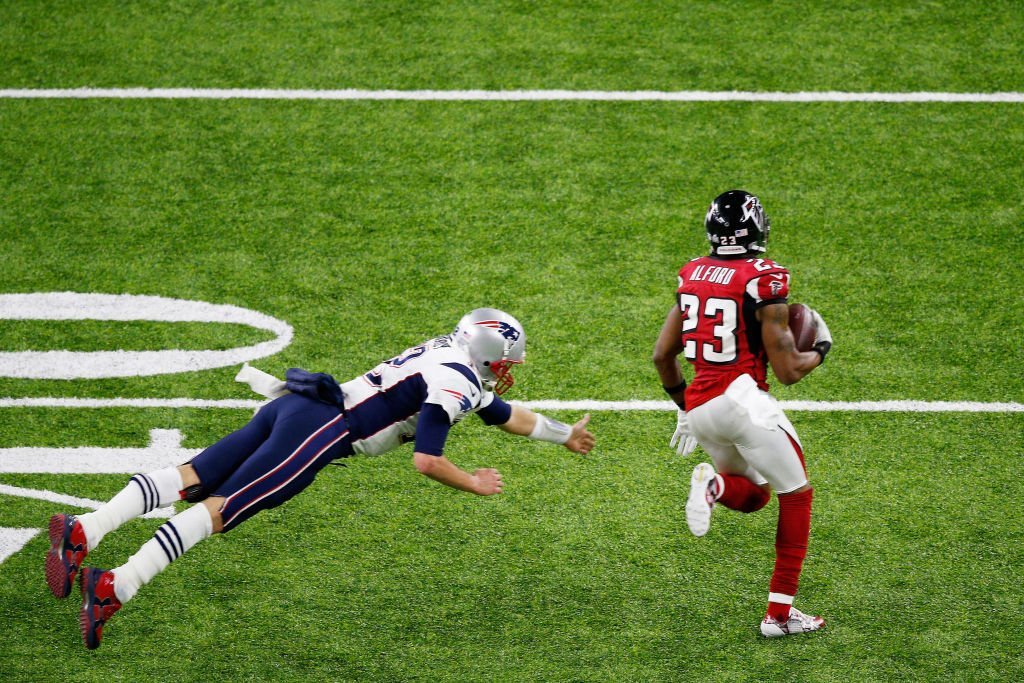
column 802, row 325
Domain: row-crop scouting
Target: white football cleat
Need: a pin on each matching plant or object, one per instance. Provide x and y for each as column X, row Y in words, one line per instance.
column 798, row 622
column 699, row 504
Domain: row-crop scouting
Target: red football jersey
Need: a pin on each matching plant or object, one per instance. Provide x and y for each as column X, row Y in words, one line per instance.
column 718, row 299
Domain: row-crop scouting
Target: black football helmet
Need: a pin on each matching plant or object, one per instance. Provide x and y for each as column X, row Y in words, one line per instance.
column 736, row 224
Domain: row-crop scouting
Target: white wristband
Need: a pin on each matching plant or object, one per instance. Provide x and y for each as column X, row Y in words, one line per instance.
column 547, row 429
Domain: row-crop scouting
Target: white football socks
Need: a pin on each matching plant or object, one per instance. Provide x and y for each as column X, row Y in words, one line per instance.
column 171, row 541
column 144, row 492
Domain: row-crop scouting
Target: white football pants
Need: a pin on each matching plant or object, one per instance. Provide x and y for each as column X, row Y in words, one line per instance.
column 746, row 433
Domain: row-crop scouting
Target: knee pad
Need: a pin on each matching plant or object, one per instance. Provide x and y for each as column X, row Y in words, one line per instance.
column 195, row 493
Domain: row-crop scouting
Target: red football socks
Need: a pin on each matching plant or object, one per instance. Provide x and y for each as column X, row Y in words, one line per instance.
column 790, row 547
column 739, row 493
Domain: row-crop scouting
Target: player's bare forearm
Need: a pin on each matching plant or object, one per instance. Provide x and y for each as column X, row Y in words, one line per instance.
column 666, row 354
column 668, row 347
column 670, row 372
column 483, row 482
column 521, row 422
column 789, row 364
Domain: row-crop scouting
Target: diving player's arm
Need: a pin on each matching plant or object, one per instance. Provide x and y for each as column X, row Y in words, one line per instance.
column 431, row 433
column 525, row 422
column 483, row 482
column 788, row 364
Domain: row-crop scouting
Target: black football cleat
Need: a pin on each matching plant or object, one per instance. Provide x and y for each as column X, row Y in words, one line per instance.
column 99, row 603
column 68, row 548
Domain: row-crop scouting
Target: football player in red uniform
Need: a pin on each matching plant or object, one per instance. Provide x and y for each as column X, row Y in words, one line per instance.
column 731, row 320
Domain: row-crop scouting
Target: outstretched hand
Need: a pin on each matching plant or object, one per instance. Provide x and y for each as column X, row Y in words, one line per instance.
column 581, row 440
column 487, row 482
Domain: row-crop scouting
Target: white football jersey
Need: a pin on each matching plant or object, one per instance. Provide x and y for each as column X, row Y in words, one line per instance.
column 383, row 406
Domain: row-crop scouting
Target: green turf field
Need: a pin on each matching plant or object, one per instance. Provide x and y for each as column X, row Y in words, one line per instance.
column 369, row 226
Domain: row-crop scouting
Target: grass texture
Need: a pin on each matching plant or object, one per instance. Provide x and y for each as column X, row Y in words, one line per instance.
column 369, row 226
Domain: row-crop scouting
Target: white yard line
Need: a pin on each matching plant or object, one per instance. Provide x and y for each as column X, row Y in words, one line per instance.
column 165, row 445
column 592, row 405
column 74, row 501
column 504, row 95
column 235, row 404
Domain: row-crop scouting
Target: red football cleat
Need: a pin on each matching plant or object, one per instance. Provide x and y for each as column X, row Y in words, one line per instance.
column 99, row 603
column 68, row 548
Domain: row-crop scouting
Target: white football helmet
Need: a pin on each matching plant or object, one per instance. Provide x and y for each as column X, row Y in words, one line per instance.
column 495, row 341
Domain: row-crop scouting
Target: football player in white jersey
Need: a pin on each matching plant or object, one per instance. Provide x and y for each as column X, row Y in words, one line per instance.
column 416, row 396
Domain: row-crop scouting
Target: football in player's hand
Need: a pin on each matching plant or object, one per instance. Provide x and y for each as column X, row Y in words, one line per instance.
column 802, row 325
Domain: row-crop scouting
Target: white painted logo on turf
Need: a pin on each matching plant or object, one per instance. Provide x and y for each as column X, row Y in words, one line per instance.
column 13, row 539
column 164, row 450
column 128, row 307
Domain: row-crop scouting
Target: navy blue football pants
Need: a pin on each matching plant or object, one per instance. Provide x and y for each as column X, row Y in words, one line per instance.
column 273, row 457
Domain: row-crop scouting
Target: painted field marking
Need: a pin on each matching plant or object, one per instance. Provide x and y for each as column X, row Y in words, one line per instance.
column 129, row 307
column 905, row 406
column 13, row 539
column 74, row 501
column 505, row 95
column 164, row 450
column 812, row 406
